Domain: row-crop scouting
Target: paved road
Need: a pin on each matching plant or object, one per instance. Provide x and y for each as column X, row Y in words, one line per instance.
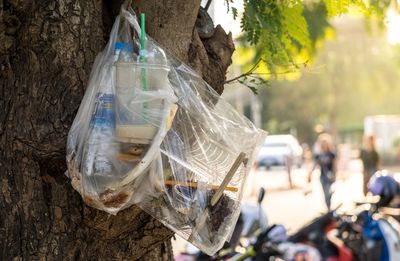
column 295, row 207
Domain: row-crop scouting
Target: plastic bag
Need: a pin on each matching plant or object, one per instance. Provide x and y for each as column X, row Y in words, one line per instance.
column 193, row 179
column 121, row 122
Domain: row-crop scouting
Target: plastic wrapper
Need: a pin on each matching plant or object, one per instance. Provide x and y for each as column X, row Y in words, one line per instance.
column 191, row 169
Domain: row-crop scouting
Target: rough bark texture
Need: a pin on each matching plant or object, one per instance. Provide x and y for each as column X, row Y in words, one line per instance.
column 46, row 52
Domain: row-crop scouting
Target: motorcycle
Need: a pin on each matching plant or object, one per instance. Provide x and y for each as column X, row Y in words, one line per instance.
column 305, row 244
column 371, row 234
column 367, row 236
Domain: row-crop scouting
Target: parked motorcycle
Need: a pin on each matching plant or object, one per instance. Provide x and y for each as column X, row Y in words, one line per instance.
column 367, row 236
column 383, row 185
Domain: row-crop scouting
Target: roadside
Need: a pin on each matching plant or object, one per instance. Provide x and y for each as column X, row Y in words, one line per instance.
column 295, row 207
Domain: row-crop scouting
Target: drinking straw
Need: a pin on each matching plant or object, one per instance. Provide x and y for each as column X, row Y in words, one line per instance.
column 195, row 185
column 142, row 32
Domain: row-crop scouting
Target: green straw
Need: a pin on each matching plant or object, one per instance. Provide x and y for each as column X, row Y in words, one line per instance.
column 142, row 56
column 143, row 31
column 142, row 49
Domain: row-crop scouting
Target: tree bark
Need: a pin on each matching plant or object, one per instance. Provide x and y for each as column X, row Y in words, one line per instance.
column 46, row 52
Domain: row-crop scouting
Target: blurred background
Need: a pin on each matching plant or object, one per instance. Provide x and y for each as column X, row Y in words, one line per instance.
column 340, row 79
column 346, row 86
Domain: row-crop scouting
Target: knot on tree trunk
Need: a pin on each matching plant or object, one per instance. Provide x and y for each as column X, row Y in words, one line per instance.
column 211, row 57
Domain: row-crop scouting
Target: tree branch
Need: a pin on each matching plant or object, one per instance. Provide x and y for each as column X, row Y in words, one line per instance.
column 249, row 72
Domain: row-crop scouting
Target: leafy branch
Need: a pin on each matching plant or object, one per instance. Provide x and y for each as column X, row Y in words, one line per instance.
column 249, row 72
column 284, row 31
column 252, row 79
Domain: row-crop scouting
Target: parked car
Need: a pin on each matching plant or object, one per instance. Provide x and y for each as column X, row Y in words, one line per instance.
column 280, row 150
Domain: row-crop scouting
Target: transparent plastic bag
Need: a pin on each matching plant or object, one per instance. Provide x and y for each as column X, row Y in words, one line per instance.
column 193, row 177
column 121, row 122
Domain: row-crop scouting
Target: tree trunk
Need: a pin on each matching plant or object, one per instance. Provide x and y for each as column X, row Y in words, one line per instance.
column 46, row 52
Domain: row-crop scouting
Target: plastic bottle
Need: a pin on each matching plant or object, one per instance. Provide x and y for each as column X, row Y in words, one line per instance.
column 101, row 142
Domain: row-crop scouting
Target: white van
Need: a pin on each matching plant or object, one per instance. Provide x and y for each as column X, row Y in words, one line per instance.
column 279, row 150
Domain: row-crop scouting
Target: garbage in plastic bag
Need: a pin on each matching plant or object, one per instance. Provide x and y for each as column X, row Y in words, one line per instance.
column 150, row 131
column 121, row 122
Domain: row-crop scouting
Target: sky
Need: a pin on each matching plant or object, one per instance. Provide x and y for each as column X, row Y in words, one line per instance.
column 219, row 14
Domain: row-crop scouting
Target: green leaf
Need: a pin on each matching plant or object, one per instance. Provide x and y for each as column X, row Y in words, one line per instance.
column 253, row 89
column 234, row 13
column 296, row 24
column 337, row 7
column 284, row 31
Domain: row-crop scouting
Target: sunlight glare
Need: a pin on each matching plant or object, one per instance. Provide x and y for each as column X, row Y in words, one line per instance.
column 393, row 26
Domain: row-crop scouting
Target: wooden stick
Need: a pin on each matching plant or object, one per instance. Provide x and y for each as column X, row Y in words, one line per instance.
column 239, row 160
column 195, row 185
column 128, row 157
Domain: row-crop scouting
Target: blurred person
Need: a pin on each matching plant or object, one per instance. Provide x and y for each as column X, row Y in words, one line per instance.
column 288, row 165
column 342, row 160
column 370, row 159
column 326, row 160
